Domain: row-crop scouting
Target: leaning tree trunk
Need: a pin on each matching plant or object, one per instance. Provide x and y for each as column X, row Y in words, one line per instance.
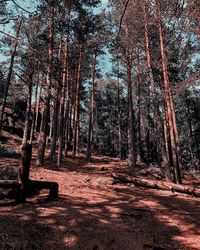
column 10, row 71
column 164, row 142
column 47, row 89
column 169, row 103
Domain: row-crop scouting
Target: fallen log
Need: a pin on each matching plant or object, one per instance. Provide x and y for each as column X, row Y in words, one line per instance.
column 162, row 185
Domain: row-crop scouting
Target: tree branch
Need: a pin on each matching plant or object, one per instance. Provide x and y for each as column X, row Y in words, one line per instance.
column 11, row 36
column 121, row 19
column 20, row 7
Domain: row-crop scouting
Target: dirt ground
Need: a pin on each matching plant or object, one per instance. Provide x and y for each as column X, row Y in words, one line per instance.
column 93, row 214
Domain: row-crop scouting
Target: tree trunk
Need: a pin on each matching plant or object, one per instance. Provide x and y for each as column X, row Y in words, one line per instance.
column 91, row 113
column 23, row 179
column 131, row 117
column 68, row 117
column 131, row 131
column 38, row 106
column 56, row 104
column 170, row 108
column 44, row 126
column 119, row 148
column 27, row 128
column 152, row 81
column 76, row 108
column 165, row 146
column 62, row 102
column 35, row 107
column 64, row 97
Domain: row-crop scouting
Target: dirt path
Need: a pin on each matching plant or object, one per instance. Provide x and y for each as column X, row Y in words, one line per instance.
column 91, row 213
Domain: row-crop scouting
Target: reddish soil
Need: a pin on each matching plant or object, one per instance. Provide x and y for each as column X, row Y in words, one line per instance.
column 93, row 214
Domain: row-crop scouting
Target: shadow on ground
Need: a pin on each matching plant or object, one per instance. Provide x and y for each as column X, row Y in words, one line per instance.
column 100, row 217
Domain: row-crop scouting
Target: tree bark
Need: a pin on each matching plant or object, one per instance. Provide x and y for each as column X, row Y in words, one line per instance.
column 131, row 131
column 44, row 126
column 64, row 96
column 76, row 108
column 35, row 107
column 56, row 104
column 38, row 106
column 131, row 118
column 170, row 108
column 27, row 124
column 91, row 112
column 62, row 102
column 119, row 148
column 24, row 170
column 151, row 79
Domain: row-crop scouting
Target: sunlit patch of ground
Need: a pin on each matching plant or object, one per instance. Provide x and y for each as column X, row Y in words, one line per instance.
column 91, row 213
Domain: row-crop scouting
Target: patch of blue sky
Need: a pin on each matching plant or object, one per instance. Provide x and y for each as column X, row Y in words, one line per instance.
column 31, row 6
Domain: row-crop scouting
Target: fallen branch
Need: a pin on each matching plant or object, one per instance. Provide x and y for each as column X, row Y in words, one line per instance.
column 190, row 190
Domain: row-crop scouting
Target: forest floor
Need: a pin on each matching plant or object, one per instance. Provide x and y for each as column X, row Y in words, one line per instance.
column 93, row 214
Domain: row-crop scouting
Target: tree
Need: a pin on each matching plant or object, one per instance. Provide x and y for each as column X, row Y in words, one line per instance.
column 43, row 132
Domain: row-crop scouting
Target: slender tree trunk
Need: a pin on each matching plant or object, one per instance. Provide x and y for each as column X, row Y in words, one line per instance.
column 65, row 87
column 44, row 126
column 27, row 128
column 148, row 126
column 132, row 143
column 38, row 106
column 50, row 132
column 91, row 112
column 68, row 116
column 62, row 103
column 10, row 71
column 189, row 122
column 139, row 143
column 76, row 108
column 56, row 104
column 170, row 108
column 152, row 81
column 68, row 86
column 67, row 119
column 131, row 119
column 119, row 148
column 165, row 146
column 35, row 107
